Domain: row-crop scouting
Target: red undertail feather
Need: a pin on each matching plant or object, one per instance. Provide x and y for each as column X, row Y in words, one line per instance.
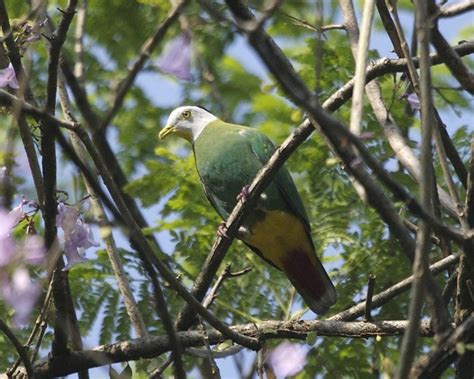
column 310, row 280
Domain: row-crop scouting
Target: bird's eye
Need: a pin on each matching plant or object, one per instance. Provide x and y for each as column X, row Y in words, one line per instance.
column 186, row 114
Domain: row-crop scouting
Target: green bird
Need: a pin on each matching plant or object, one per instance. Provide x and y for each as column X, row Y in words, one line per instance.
column 227, row 159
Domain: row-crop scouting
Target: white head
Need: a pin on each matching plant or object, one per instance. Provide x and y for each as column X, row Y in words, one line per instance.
column 187, row 122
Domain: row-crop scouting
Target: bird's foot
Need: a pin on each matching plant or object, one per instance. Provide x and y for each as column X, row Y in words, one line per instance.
column 222, row 230
column 244, row 193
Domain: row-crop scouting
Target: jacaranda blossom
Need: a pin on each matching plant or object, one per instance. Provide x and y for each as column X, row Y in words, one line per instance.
column 17, row 288
column 7, row 244
column 414, row 101
column 77, row 234
column 20, row 292
column 287, row 359
column 176, row 57
column 8, row 77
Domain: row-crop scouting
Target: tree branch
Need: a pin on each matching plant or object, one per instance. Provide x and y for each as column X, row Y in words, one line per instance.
column 451, row 10
column 448, row 350
column 23, row 354
column 452, row 60
column 385, row 66
column 48, row 150
column 142, row 348
column 420, row 265
column 361, row 67
column 25, row 134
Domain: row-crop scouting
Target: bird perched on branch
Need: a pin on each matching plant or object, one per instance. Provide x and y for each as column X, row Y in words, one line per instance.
column 227, row 159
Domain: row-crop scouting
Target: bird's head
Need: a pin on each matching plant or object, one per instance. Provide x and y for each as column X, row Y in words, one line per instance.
column 187, row 122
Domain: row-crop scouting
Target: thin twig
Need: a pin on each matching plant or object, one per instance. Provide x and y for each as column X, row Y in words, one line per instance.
column 25, row 133
column 453, row 61
column 452, row 188
column 19, row 349
column 207, row 302
column 215, row 373
column 39, row 324
column 145, row 53
column 388, row 294
column 451, row 10
column 368, row 299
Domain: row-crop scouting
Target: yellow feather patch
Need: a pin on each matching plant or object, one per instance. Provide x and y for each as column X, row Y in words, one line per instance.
column 278, row 235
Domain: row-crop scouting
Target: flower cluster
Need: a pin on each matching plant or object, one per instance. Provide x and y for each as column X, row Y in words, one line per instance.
column 77, row 234
column 8, row 77
column 17, row 288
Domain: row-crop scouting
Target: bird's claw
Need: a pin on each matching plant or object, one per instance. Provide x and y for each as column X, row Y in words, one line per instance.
column 244, row 193
column 222, row 230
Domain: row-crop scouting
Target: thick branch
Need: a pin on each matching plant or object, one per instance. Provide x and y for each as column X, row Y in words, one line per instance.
column 153, row 346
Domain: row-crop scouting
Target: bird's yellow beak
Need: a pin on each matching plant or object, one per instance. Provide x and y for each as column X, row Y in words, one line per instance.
column 168, row 129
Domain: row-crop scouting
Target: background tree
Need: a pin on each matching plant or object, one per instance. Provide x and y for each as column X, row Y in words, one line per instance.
column 114, row 239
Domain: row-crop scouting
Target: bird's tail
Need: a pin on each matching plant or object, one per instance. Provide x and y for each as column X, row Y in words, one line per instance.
column 310, row 279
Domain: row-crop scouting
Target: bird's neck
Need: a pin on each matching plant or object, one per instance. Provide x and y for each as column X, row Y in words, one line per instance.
column 200, row 125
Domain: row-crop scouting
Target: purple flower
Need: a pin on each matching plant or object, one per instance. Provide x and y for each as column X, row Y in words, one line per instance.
column 287, row 359
column 17, row 213
column 414, row 101
column 77, row 234
column 34, row 250
column 7, row 243
column 18, row 290
column 77, row 242
column 8, row 77
column 20, row 293
column 176, row 57
column 66, row 217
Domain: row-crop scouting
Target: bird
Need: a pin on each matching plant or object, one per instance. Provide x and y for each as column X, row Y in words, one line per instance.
column 227, row 158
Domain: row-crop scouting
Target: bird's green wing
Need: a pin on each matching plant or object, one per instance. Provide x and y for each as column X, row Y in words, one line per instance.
column 215, row 202
column 263, row 148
